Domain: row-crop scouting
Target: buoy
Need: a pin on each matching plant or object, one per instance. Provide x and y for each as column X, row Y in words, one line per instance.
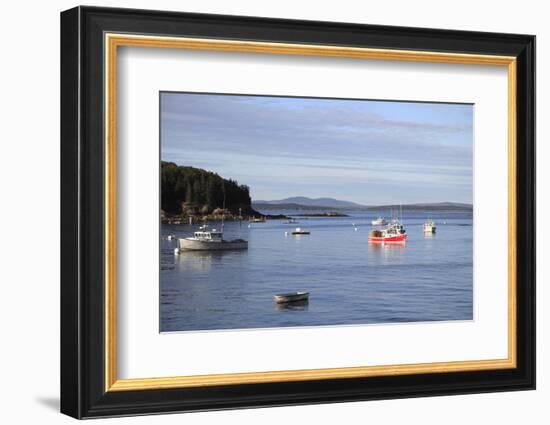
column 286, row 233
column 176, row 251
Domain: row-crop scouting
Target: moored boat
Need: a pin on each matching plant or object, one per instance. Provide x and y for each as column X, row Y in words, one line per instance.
column 300, row 231
column 291, row 297
column 258, row 220
column 210, row 240
column 429, row 227
column 394, row 233
column 380, row 221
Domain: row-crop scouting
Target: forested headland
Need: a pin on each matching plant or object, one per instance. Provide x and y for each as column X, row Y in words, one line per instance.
column 194, row 192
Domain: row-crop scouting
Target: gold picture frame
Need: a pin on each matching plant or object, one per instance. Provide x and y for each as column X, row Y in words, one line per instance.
column 114, row 41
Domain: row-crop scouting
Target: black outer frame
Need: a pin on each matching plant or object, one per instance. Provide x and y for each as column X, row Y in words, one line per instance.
column 82, row 218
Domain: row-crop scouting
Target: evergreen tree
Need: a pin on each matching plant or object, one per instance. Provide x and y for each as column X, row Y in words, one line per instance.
column 199, row 188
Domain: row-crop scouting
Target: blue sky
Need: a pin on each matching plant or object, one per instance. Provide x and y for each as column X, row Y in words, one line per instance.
column 370, row 152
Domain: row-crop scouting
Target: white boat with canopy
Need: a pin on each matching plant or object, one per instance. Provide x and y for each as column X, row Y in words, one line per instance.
column 210, row 240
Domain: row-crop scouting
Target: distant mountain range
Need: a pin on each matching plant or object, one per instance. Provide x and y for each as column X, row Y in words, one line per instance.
column 434, row 206
column 313, row 202
column 305, row 203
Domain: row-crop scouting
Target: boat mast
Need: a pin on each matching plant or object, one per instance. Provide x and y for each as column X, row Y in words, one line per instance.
column 223, row 205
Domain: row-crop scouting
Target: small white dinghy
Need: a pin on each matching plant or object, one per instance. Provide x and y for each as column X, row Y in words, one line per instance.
column 291, row 297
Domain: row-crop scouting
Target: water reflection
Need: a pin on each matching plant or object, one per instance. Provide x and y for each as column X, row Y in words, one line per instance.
column 204, row 260
column 386, row 254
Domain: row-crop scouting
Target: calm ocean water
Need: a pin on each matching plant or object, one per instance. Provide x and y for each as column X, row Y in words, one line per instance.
column 350, row 281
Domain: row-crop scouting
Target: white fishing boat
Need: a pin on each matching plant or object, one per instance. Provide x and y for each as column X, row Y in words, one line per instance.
column 300, row 231
column 210, row 240
column 380, row 221
column 429, row 227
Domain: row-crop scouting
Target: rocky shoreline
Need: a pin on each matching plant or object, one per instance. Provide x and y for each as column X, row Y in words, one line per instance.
column 323, row 214
column 218, row 214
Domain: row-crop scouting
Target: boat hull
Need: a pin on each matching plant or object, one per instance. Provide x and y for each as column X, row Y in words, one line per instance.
column 388, row 239
column 194, row 245
column 291, row 298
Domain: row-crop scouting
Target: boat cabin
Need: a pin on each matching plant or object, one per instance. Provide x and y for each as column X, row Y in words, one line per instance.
column 396, row 228
column 209, row 236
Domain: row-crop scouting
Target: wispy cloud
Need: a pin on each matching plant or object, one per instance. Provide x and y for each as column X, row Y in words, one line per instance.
column 305, row 144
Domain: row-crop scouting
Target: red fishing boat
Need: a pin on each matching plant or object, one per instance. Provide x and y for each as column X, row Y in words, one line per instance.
column 393, row 233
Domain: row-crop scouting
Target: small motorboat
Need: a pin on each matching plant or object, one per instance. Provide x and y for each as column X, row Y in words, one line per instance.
column 291, row 297
column 290, row 221
column 380, row 221
column 258, row 220
column 429, row 227
column 300, row 231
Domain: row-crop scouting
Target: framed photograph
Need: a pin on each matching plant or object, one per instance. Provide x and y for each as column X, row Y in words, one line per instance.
column 261, row 212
